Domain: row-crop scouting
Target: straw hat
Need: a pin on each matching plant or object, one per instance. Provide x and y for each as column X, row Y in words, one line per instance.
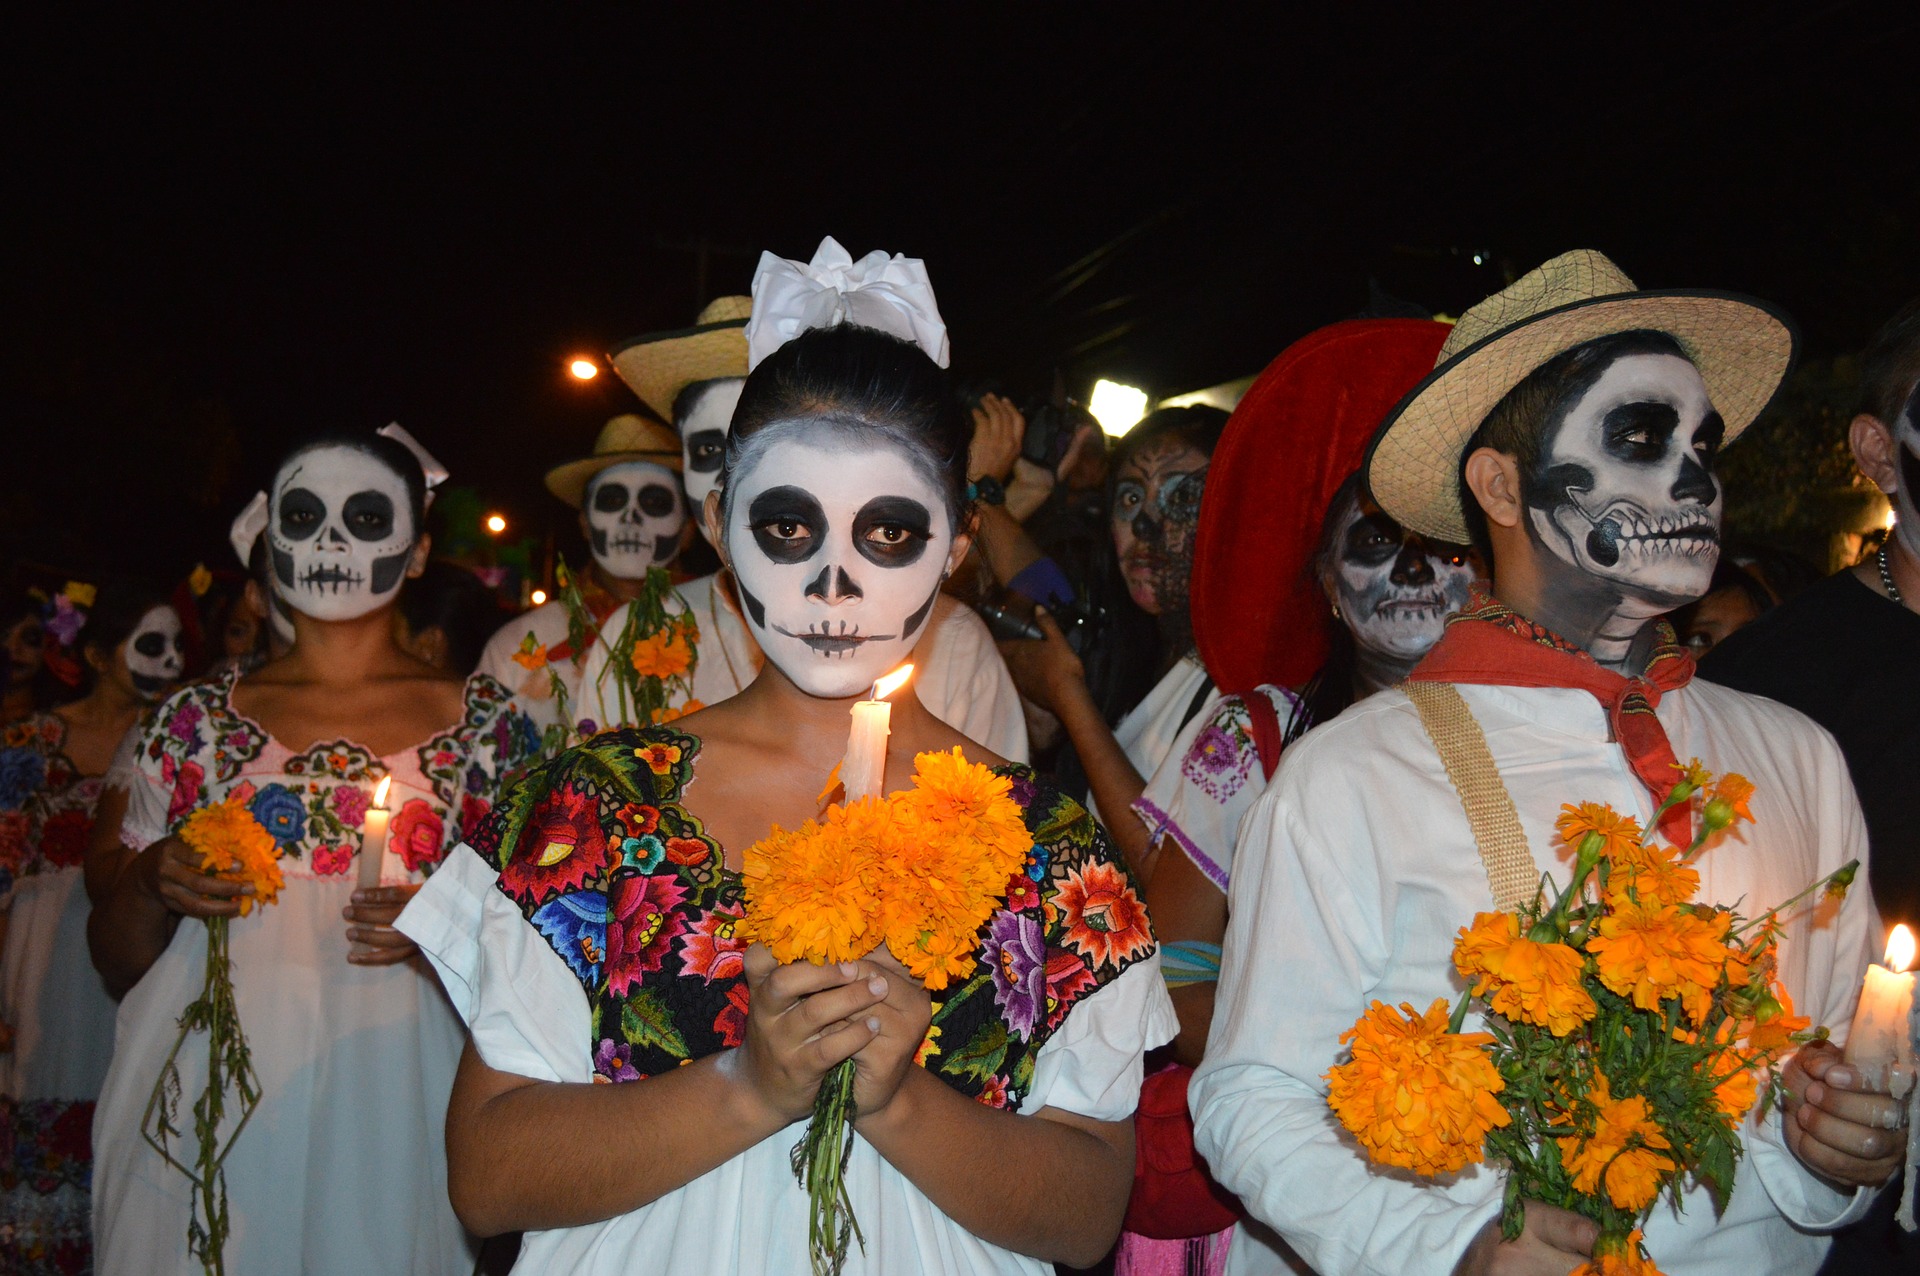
column 1742, row 347
column 628, row 437
column 659, row 365
column 1302, row 428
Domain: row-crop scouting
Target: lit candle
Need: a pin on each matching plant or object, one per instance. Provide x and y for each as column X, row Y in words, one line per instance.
column 864, row 771
column 373, row 837
column 1882, row 1043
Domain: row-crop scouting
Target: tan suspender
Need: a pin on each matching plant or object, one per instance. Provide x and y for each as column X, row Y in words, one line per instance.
column 1462, row 746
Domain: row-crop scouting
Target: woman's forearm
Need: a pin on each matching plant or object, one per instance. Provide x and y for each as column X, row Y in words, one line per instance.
column 530, row 1155
column 958, row 1153
column 129, row 927
column 1110, row 774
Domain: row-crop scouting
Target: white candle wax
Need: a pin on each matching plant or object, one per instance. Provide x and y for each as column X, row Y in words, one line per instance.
column 864, row 772
column 373, row 837
column 1881, row 1036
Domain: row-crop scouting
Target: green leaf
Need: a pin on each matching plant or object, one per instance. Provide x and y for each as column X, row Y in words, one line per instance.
column 644, row 1021
column 981, row 1058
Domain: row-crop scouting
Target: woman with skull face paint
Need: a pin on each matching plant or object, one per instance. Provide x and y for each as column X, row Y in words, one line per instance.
column 840, row 511
column 56, row 1020
column 354, row 1046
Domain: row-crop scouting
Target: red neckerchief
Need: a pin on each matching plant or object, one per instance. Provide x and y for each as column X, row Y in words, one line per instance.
column 600, row 605
column 1491, row 645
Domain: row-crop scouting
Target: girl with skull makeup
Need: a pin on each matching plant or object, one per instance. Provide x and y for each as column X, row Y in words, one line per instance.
column 56, row 1021
column 611, row 874
column 338, row 1168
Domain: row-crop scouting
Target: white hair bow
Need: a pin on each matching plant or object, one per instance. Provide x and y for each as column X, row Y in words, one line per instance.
column 247, row 526
column 890, row 293
column 430, row 467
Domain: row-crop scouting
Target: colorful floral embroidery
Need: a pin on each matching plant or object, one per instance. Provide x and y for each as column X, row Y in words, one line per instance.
column 626, row 887
column 46, row 805
column 1222, row 755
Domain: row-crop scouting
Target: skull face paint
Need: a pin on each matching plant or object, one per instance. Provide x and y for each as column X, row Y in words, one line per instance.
column 704, row 424
column 839, row 548
column 1156, row 513
column 155, row 652
column 341, row 531
column 1625, row 493
column 634, row 515
column 1395, row 591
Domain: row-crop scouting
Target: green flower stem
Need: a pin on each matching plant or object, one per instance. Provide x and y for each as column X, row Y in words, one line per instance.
column 1846, row 871
column 820, row 1164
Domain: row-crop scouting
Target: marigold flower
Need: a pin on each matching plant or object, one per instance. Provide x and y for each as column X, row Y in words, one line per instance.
column 532, row 655
column 1531, row 982
column 1624, row 1157
column 232, row 844
column 1734, row 790
column 1655, row 874
column 662, row 655
column 1613, row 1256
column 1415, row 1095
column 1618, row 833
column 1774, row 1026
column 811, row 892
column 1650, row 951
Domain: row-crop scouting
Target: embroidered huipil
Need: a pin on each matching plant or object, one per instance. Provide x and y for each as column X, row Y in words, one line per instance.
column 587, row 934
column 342, row 1168
column 1355, row 871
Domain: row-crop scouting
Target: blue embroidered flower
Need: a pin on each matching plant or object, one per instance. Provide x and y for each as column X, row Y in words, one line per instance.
column 576, row 926
column 280, row 813
column 1037, row 859
column 22, row 771
column 643, row 853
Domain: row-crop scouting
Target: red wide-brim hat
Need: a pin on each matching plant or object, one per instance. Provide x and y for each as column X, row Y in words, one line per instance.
column 1259, row 616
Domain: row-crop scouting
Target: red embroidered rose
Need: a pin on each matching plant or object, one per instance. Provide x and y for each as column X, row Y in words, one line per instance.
column 642, row 922
column 416, row 834
column 63, row 838
column 638, row 819
column 1067, row 980
column 1105, row 919
column 731, row 1022
column 711, row 950
column 1022, row 893
column 330, row 861
column 186, row 779
column 687, row 851
column 561, row 848
column 13, row 839
column 473, row 811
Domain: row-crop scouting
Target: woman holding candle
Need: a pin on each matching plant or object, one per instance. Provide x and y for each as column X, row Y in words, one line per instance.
column 340, row 1168
column 612, row 873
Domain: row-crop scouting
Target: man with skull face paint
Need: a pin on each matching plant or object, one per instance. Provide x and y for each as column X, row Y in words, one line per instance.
column 56, row 1020
column 352, row 1041
column 633, row 516
column 842, row 507
column 693, row 377
column 1577, row 420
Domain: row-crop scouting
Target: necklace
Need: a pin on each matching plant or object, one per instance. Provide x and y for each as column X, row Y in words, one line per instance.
column 1886, row 578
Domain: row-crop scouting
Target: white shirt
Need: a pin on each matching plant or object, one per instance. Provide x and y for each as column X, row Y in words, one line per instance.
column 1354, row 873
column 1148, row 733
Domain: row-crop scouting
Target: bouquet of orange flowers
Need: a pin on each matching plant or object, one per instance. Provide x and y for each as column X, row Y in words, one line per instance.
column 921, row 872
column 234, row 845
column 1627, row 1028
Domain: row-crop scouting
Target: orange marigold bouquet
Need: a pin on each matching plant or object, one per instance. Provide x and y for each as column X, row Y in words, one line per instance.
column 232, row 844
column 921, row 872
column 1628, row 1030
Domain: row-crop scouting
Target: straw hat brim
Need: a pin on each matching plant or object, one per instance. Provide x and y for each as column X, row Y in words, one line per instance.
column 658, row 366
column 1743, row 347
column 569, row 481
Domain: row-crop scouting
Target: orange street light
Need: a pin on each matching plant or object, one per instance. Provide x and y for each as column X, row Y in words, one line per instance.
column 538, row 597
column 496, row 523
column 583, row 368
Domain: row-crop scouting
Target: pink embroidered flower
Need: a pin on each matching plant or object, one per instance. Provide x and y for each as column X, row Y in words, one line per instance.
column 331, row 861
column 186, row 779
column 350, row 803
column 180, row 726
column 993, row 1092
column 473, row 810
column 1023, row 893
column 416, row 834
column 642, row 922
column 711, row 951
column 443, row 759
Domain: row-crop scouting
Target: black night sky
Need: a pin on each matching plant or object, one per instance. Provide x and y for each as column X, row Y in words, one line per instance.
column 225, row 233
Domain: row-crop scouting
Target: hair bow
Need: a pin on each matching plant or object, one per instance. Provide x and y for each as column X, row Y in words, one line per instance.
column 430, row 467
column 891, row 293
column 247, row 526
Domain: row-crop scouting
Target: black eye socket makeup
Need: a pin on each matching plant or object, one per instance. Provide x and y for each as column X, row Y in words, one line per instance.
column 301, row 513
column 610, row 498
column 777, row 518
column 705, row 450
column 369, row 516
column 892, row 531
column 655, row 501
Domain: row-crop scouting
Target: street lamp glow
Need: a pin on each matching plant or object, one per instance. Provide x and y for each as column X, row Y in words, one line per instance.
column 537, row 597
column 584, row 369
column 1118, row 408
column 496, row 524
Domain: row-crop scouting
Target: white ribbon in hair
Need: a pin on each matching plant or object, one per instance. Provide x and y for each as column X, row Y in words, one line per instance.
column 430, row 466
column 890, row 293
column 247, row 526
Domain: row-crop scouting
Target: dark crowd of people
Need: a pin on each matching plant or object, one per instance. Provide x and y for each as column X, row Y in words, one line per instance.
column 498, row 1012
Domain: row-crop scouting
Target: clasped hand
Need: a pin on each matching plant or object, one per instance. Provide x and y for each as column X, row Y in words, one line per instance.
column 803, row 1020
column 1835, row 1125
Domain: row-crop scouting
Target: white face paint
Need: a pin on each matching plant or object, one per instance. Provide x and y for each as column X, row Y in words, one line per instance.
column 340, row 529
column 839, row 550
column 1906, row 496
column 703, row 436
column 155, row 652
column 634, row 515
column 1396, row 591
column 1625, row 494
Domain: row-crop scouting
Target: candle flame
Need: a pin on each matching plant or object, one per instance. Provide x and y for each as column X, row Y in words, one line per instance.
column 892, row 682
column 1900, row 949
column 380, row 791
